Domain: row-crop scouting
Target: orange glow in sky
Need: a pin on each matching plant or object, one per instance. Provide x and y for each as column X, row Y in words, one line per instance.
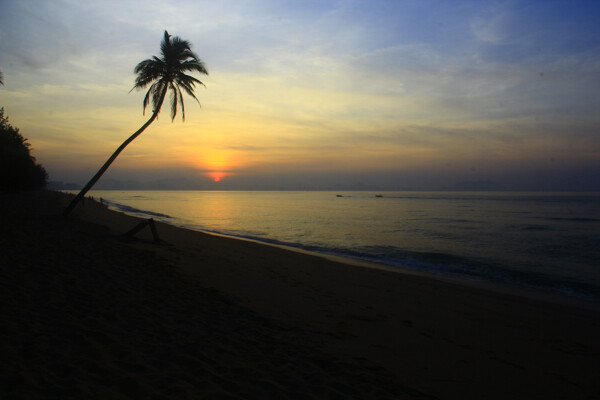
column 464, row 101
column 216, row 176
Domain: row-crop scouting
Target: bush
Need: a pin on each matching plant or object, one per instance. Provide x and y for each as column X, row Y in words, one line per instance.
column 18, row 169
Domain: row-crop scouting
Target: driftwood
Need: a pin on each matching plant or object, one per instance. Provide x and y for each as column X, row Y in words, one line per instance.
column 141, row 225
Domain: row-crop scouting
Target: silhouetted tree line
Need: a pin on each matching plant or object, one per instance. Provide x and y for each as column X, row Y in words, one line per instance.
column 18, row 169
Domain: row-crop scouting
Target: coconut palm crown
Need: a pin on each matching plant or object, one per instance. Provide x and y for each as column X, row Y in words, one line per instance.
column 163, row 74
column 167, row 72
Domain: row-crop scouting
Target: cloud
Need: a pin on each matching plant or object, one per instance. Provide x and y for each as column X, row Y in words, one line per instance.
column 30, row 37
column 298, row 86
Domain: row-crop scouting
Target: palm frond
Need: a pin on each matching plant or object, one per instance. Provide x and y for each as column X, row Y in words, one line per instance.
column 148, row 71
column 158, row 95
column 167, row 73
column 189, row 89
column 190, row 80
column 182, row 106
column 174, row 101
column 147, row 97
column 165, row 46
column 194, row 66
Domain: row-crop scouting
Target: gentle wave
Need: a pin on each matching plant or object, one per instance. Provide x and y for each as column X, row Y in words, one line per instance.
column 542, row 241
column 497, row 196
column 574, row 219
column 531, row 227
column 435, row 263
column 134, row 211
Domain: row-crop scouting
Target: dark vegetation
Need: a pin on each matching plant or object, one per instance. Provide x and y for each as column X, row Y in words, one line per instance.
column 18, row 168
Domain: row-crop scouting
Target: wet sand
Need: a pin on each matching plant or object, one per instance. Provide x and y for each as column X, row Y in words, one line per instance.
column 88, row 313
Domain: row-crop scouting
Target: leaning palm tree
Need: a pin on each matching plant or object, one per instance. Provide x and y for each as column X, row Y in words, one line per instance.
column 163, row 74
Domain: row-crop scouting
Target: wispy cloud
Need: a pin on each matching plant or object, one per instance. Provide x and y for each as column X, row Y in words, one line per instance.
column 373, row 85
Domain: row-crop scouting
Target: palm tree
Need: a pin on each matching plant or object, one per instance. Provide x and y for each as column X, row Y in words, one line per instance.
column 163, row 74
column 1, row 83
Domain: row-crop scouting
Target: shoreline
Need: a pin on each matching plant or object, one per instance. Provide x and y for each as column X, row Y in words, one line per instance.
column 294, row 324
column 485, row 285
column 508, row 288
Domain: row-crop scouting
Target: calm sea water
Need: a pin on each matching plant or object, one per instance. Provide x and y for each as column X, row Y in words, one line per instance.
column 546, row 241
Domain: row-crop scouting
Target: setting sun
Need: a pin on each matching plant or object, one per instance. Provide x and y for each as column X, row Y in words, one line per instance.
column 216, row 176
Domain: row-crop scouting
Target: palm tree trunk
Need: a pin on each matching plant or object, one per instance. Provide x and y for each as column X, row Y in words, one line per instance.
column 112, row 158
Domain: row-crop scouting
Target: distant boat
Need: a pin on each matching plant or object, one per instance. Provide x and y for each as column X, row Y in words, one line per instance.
column 338, row 195
column 378, row 195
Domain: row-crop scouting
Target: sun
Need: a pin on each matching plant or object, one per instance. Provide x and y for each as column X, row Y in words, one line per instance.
column 216, row 176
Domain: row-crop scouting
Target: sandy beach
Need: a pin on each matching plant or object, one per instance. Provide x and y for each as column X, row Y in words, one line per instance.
column 88, row 313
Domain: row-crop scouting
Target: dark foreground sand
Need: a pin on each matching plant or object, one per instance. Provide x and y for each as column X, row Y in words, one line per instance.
column 87, row 314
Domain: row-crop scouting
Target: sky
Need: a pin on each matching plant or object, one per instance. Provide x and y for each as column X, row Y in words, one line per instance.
column 336, row 95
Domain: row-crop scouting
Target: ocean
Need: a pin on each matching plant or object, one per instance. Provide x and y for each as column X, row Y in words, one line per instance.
column 543, row 241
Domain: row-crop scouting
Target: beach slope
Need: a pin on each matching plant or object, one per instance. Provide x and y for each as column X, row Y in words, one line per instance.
column 88, row 313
